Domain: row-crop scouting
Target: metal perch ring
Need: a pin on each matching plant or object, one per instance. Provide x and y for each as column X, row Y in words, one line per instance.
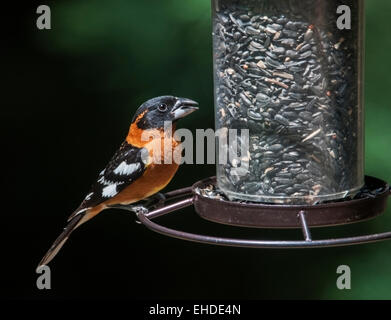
column 272, row 216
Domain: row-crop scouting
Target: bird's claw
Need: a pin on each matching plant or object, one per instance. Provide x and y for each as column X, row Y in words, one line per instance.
column 144, row 206
column 156, row 201
column 139, row 210
column 136, row 209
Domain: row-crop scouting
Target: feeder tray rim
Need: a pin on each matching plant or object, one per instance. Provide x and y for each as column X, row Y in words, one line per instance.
column 279, row 206
column 265, row 215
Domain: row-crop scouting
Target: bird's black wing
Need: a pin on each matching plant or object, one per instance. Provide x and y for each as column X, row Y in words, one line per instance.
column 125, row 167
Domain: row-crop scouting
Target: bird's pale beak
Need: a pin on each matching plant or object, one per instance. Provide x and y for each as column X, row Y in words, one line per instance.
column 183, row 107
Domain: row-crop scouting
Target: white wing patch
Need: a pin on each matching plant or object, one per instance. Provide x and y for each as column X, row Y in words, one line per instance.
column 88, row 197
column 126, row 169
column 105, row 182
column 109, row 191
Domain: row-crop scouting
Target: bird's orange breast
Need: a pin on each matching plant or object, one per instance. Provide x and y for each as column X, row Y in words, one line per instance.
column 155, row 178
column 158, row 172
column 161, row 146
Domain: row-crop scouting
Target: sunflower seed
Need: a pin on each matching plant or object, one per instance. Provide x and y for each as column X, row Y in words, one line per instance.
column 294, row 85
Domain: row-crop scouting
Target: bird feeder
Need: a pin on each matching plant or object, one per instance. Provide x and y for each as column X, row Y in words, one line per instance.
column 287, row 74
column 288, row 78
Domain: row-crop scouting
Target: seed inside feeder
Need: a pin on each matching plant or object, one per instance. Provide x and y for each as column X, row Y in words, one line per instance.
column 299, row 95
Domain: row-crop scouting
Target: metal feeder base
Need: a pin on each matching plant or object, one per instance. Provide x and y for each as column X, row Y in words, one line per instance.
column 262, row 215
column 272, row 216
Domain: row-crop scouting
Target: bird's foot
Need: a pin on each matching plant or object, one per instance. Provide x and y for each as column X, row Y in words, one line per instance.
column 144, row 206
column 134, row 208
column 139, row 209
column 154, row 202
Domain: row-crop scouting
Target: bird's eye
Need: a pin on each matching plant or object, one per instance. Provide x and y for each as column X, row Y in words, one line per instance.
column 162, row 107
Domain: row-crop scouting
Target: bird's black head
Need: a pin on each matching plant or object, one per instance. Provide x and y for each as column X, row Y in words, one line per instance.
column 155, row 112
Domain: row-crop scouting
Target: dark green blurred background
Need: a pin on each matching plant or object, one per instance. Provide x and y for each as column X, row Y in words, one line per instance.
column 69, row 96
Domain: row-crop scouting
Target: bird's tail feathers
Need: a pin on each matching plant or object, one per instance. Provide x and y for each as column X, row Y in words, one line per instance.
column 77, row 212
column 63, row 237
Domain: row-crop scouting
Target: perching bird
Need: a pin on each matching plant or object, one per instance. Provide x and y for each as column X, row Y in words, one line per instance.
column 135, row 172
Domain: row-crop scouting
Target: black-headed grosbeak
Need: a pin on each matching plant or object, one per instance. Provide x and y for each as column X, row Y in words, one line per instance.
column 134, row 173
